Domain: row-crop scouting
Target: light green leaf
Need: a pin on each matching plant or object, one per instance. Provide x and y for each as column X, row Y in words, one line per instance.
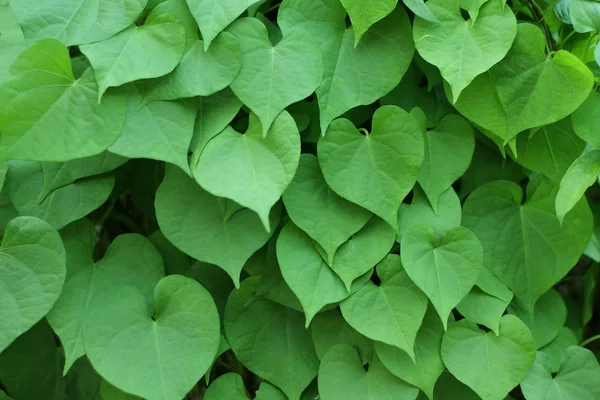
column 342, row 376
column 528, row 88
column 549, row 316
column 46, row 111
column 62, row 206
column 75, row 22
column 266, row 391
column 3, row 172
column 307, row 273
column 445, row 269
column 139, row 52
column 555, row 349
column 448, row 151
column 427, row 367
column 156, row 352
column 315, row 208
column 577, row 379
column 349, row 80
column 473, row 6
column 227, row 387
column 213, row 16
column 483, row 308
column 587, row 118
column 582, row 174
column 129, row 257
column 585, row 15
column 391, row 312
column 525, row 245
column 364, row 13
column 463, row 49
column 32, row 273
column 270, row 340
column 419, row 211
column 12, row 40
column 490, row 365
column 550, row 149
column 248, row 168
column 195, row 222
column 274, row 76
column 200, row 72
column 419, row 8
column 386, row 161
column 330, row 328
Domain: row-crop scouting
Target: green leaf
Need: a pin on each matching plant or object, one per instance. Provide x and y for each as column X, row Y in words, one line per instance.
column 341, row 376
column 155, row 351
column 490, row 365
column 524, row 244
column 577, row 378
column 270, row 340
column 32, row 275
column 348, row 79
column 109, row 392
column 555, row 349
column 419, row 8
column 483, row 308
column 62, row 206
column 128, row 257
column 585, row 15
column 307, row 274
column 582, row 174
column 528, row 88
column 586, row 118
column 315, row 208
column 4, row 396
column 448, row 151
column 248, row 168
column 46, row 110
column 161, row 130
column 75, row 22
column 274, row 76
column 391, row 312
column 227, row 387
column 427, row 367
column 12, row 40
column 461, row 49
column 449, row 388
column 213, row 16
column 266, row 391
column 139, row 52
column 364, row 13
column 445, row 269
column 550, row 149
column 386, row 161
column 590, row 282
column 195, row 222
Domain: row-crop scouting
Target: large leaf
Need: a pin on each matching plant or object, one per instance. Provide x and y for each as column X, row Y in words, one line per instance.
column 32, row 273
column 463, row 49
column 585, row 15
column 528, row 88
column 156, row 351
column 386, row 161
column 45, row 111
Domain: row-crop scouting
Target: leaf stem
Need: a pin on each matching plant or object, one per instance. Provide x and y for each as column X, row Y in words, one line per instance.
column 538, row 14
column 589, row 340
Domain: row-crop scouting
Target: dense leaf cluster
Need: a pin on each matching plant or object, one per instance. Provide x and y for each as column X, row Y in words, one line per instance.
column 299, row 199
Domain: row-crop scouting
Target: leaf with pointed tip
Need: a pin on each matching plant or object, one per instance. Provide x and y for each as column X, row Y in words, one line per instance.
column 274, row 76
column 45, row 112
column 483, row 308
column 419, row 8
column 585, row 15
column 227, row 387
column 249, row 168
column 364, row 13
column 582, row 174
column 390, row 313
column 461, row 49
column 194, row 221
column 375, row 171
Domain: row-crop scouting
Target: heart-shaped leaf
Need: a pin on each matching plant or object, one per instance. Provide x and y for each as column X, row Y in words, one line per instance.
column 273, row 77
column 364, row 13
column 490, row 365
column 139, row 52
column 445, row 269
column 32, row 273
column 464, row 49
column 386, row 161
column 348, row 80
column 250, row 169
column 523, row 241
column 127, row 258
column 156, row 352
column 390, row 313
column 527, row 88
column 315, row 208
column 270, row 340
column 448, row 151
column 577, row 379
column 342, row 376
column 197, row 223
column 46, row 111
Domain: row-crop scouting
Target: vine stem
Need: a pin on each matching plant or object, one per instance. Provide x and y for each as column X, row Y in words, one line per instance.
column 538, row 14
column 589, row 340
